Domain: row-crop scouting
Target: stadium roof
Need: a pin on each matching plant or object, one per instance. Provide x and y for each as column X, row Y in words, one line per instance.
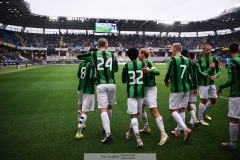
column 18, row 13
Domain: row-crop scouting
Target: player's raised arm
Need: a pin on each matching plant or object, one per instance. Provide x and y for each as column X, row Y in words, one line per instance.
column 154, row 69
column 204, row 73
column 87, row 56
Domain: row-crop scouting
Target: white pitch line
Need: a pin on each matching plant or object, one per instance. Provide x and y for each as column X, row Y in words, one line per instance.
column 223, row 97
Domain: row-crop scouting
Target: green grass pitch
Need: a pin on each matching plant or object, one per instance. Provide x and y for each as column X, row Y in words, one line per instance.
column 38, row 120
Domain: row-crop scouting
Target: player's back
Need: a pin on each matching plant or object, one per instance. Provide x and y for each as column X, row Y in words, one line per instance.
column 106, row 64
column 234, row 69
column 134, row 77
column 179, row 68
column 195, row 74
column 86, row 74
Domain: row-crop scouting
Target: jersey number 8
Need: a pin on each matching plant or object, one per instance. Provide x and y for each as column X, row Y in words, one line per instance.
column 83, row 72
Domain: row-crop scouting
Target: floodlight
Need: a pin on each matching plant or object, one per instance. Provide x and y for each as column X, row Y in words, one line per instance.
column 53, row 17
column 166, row 22
column 184, row 22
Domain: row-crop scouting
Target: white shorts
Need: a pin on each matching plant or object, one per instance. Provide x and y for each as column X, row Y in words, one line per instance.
column 178, row 100
column 134, row 105
column 209, row 91
column 106, row 95
column 192, row 98
column 151, row 97
column 234, row 107
column 87, row 101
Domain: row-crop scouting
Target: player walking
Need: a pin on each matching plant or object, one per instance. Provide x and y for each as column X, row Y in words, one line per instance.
column 132, row 74
column 207, row 88
column 178, row 71
column 234, row 99
column 105, row 64
column 151, row 96
column 86, row 98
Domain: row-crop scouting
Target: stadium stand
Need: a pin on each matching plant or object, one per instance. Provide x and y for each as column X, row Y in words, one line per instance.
column 119, row 42
column 125, row 41
column 61, row 44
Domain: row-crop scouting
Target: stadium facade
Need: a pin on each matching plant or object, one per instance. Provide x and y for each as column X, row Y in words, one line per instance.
column 17, row 16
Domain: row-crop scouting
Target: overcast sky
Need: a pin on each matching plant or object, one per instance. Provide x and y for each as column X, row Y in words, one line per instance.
column 175, row 10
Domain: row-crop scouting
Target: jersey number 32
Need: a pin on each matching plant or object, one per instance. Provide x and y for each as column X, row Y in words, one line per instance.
column 134, row 79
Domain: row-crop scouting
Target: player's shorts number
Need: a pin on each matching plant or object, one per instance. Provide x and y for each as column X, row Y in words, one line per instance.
column 107, row 64
column 134, row 79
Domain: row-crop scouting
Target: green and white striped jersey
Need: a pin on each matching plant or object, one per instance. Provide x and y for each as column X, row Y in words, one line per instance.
column 204, row 64
column 132, row 74
column 150, row 77
column 233, row 77
column 105, row 64
column 86, row 77
column 180, row 73
column 197, row 73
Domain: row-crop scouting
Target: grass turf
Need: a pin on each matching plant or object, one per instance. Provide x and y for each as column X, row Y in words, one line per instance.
column 38, row 116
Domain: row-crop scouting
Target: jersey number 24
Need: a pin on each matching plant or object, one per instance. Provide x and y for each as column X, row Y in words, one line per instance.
column 101, row 65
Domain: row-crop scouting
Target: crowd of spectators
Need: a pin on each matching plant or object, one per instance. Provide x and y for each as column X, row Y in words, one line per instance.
column 223, row 40
column 9, row 37
column 9, row 56
column 124, row 41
